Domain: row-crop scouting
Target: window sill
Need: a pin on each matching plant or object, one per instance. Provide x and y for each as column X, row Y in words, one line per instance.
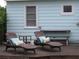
column 67, row 13
column 31, row 27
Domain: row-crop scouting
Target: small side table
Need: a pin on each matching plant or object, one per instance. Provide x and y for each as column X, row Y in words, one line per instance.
column 25, row 38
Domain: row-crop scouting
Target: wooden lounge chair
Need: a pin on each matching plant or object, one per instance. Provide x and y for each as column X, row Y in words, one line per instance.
column 25, row 46
column 10, row 35
column 50, row 43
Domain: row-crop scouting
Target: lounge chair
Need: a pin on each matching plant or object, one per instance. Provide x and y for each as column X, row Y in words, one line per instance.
column 9, row 43
column 49, row 43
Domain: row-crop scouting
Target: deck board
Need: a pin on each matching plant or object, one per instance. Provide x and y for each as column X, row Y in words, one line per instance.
column 45, row 53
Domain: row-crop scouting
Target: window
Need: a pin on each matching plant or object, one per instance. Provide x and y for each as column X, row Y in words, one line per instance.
column 30, row 16
column 67, row 9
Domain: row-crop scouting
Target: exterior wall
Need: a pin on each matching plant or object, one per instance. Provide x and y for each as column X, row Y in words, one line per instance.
column 49, row 18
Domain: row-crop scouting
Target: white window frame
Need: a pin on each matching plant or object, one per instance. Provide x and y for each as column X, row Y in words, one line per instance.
column 25, row 26
column 67, row 13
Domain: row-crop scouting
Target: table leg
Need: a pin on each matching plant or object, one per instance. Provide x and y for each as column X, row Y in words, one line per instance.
column 34, row 51
column 60, row 49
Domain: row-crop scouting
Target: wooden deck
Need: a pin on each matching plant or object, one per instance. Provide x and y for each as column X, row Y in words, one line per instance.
column 68, row 52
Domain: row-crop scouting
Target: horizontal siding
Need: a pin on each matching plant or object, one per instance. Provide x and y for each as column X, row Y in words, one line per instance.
column 49, row 17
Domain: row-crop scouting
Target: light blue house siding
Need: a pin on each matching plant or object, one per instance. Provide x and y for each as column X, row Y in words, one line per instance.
column 49, row 18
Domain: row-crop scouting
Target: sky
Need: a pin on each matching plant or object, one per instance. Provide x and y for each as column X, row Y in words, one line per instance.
column 2, row 3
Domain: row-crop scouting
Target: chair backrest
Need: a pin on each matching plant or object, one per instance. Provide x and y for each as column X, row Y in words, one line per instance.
column 38, row 34
column 11, row 35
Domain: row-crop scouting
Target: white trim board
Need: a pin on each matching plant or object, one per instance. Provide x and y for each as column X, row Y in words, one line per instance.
column 36, row 15
column 67, row 13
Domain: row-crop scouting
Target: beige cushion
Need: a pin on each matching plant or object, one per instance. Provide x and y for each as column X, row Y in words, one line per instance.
column 47, row 39
column 44, row 39
column 16, row 41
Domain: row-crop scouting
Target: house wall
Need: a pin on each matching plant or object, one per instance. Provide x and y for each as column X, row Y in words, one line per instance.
column 49, row 18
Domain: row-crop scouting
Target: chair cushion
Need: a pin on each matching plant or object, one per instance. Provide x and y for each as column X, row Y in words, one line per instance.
column 9, row 42
column 41, row 40
column 16, row 41
column 44, row 39
column 47, row 39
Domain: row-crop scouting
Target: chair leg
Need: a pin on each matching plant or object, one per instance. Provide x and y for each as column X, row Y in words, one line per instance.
column 6, row 48
column 15, row 49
